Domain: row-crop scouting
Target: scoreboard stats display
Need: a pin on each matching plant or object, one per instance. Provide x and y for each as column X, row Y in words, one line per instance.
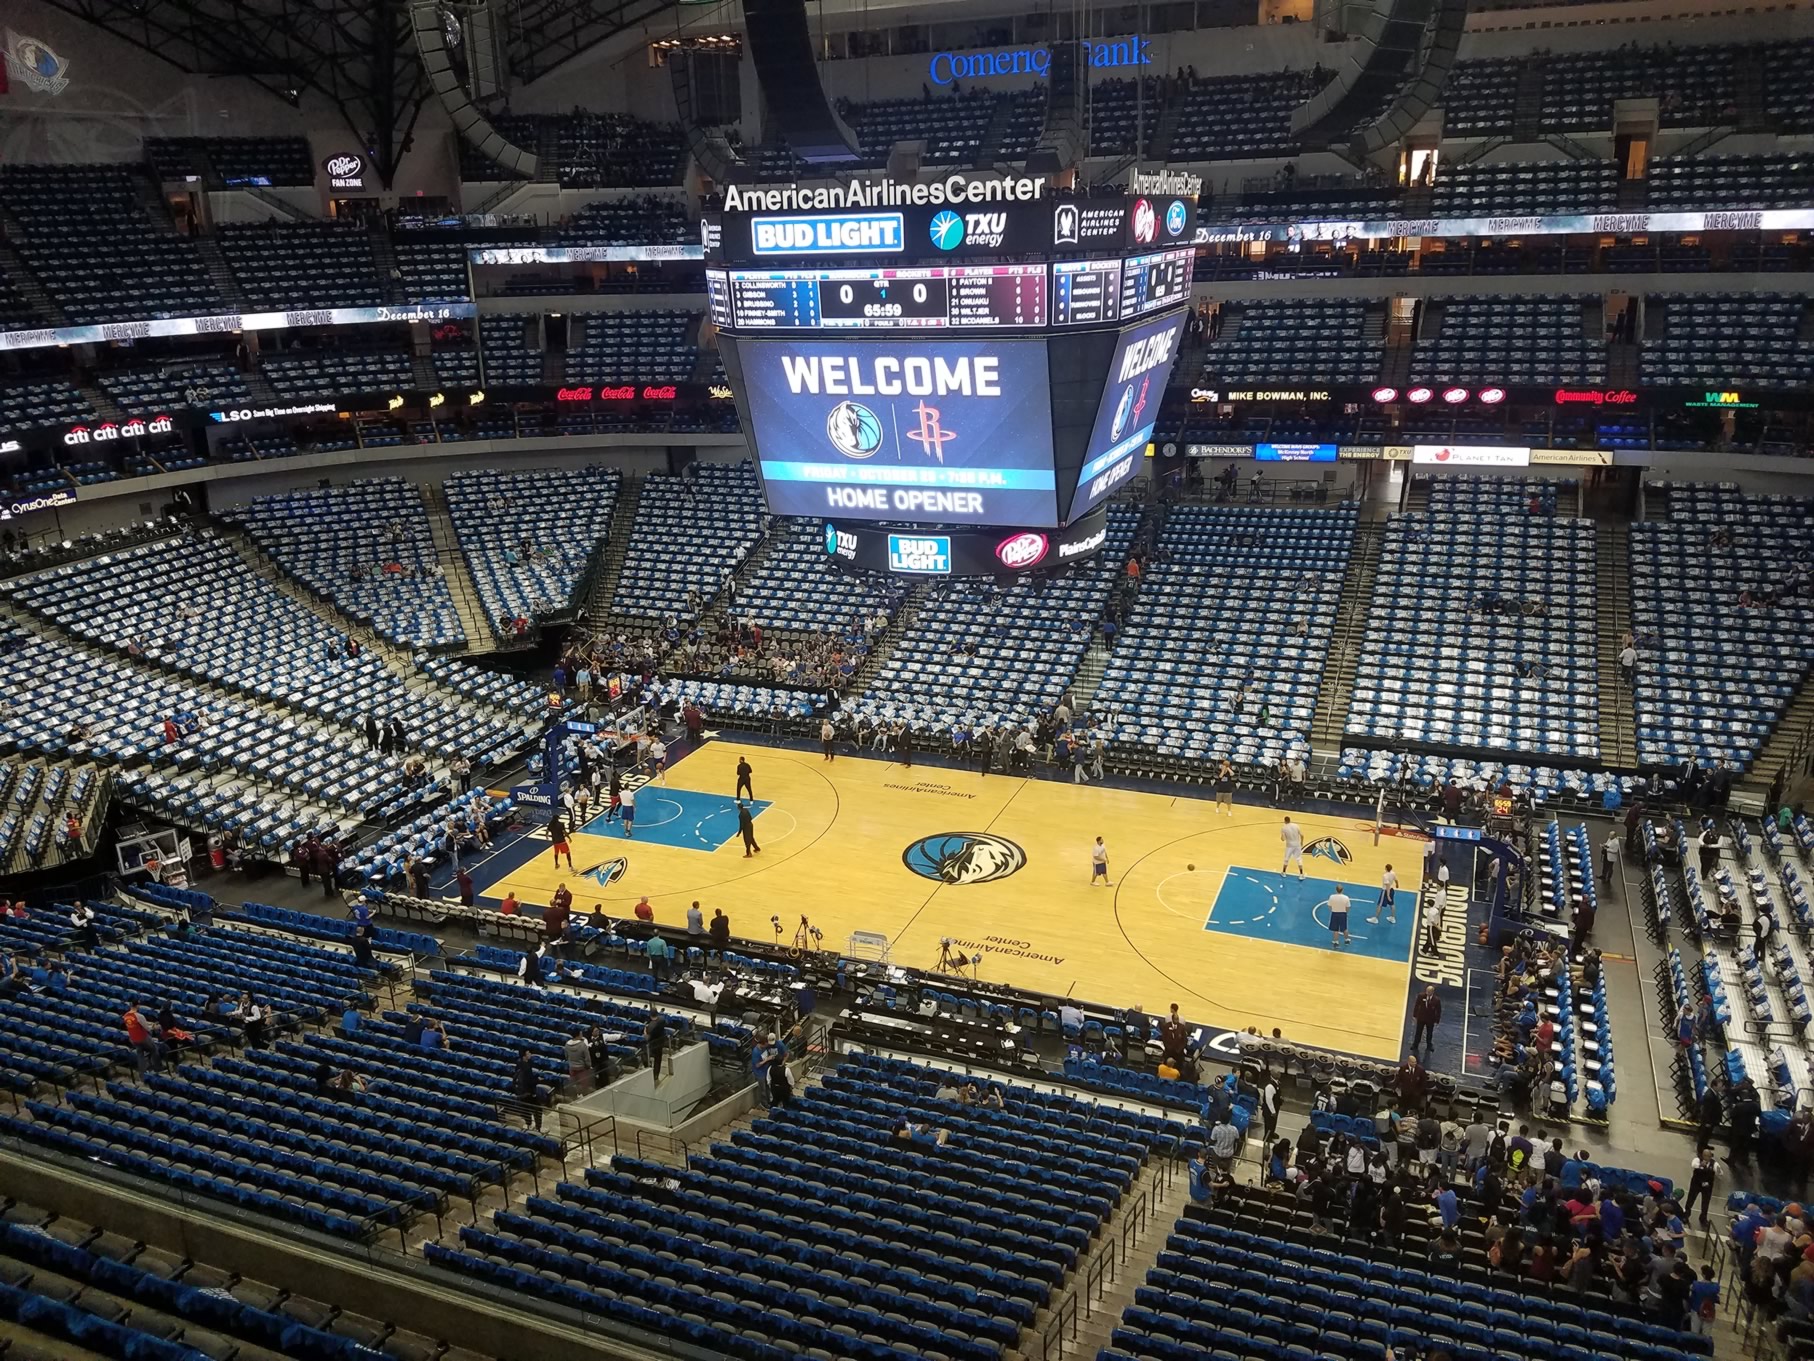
column 950, row 297
column 933, row 297
column 921, row 430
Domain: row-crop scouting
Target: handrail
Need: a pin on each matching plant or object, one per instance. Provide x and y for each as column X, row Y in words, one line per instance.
column 1133, row 1224
column 1054, row 1331
column 586, row 1135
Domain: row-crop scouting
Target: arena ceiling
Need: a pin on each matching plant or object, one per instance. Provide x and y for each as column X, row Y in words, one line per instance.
column 359, row 54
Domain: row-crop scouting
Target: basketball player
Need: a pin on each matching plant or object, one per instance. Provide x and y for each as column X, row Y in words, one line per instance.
column 746, row 828
column 557, row 833
column 1293, row 837
column 1099, row 864
column 628, row 809
column 1339, row 903
column 743, row 779
column 1225, row 788
column 1388, row 899
column 658, row 760
column 827, row 737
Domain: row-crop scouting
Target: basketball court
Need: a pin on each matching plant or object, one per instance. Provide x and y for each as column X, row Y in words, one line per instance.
column 1198, row 912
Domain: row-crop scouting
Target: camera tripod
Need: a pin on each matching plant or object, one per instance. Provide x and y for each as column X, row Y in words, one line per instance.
column 952, row 960
column 806, row 938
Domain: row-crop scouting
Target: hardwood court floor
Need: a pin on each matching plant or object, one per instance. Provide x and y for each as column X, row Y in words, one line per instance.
column 1003, row 864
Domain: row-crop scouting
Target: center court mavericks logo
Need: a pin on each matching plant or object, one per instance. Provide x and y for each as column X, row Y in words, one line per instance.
column 608, row 873
column 964, row 857
column 854, row 430
column 1330, row 849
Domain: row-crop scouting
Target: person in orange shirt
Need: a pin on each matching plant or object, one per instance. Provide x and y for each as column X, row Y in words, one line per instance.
column 147, row 1049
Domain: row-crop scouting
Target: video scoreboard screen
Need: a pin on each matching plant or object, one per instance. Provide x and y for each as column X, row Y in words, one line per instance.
column 1129, row 409
column 932, row 297
column 918, row 356
column 916, row 430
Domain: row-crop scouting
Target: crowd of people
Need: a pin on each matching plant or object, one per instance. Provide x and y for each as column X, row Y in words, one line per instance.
column 1463, row 1187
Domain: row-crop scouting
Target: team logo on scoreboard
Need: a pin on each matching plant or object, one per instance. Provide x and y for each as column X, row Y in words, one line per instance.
column 947, row 230
column 1146, row 222
column 1174, row 218
column 854, row 430
column 964, row 857
column 1123, row 410
column 930, row 434
column 1064, row 225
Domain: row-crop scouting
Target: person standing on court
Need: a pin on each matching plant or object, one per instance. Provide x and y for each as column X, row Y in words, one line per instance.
column 743, row 779
column 463, row 877
column 827, row 736
column 1099, row 864
column 720, row 931
column 557, row 833
column 1225, row 787
column 1388, row 899
column 746, row 828
column 627, row 810
column 1339, row 904
column 1426, row 1011
column 1432, row 924
column 1293, row 837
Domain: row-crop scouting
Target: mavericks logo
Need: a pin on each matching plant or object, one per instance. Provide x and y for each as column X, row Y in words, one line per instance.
column 964, row 857
column 1124, row 410
column 608, row 873
column 1330, row 849
column 854, row 430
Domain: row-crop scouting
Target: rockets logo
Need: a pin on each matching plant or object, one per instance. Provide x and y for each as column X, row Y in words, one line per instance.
column 929, row 434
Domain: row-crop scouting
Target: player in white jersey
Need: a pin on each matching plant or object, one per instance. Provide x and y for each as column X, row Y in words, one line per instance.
column 1388, row 899
column 1293, row 837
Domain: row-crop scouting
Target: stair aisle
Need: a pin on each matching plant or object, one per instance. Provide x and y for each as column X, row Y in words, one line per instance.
column 479, row 637
column 1618, row 721
column 597, row 612
column 1337, row 690
column 1080, row 1319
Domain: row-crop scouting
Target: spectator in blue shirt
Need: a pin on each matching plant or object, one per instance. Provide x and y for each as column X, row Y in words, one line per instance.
column 1201, row 1179
column 434, row 1034
column 1612, row 1217
column 1745, row 1230
column 1703, row 1303
column 1448, row 1207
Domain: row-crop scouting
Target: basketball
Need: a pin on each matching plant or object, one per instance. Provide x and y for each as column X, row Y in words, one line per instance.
column 1190, row 867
